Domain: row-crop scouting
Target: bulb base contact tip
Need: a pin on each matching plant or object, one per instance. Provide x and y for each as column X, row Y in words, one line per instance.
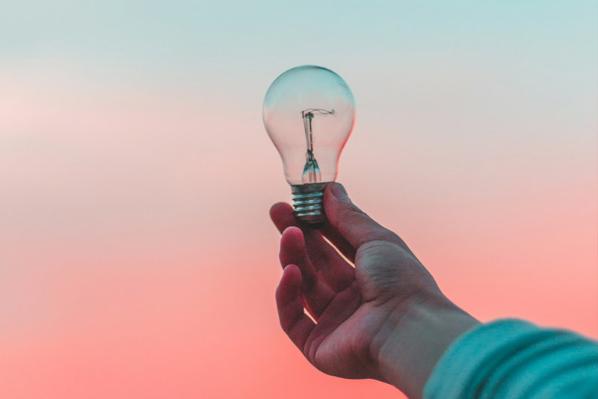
column 308, row 202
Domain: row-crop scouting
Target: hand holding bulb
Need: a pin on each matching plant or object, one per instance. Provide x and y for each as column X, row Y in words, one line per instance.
column 358, row 303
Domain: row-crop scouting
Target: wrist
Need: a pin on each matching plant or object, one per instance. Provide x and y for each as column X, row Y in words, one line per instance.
column 414, row 337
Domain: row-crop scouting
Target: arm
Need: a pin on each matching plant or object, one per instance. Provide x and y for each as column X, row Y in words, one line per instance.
column 377, row 313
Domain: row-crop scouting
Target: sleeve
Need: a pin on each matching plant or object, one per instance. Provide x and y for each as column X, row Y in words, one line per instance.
column 515, row 359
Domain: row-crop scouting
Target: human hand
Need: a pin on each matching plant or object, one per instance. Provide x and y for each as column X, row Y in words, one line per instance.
column 369, row 319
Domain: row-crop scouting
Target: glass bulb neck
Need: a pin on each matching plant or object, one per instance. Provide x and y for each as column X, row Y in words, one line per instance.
column 308, row 202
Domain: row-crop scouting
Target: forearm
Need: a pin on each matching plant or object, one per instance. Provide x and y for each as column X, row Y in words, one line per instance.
column 416, row 337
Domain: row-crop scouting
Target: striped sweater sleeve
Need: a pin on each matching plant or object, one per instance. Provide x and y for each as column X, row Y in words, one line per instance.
column 513, row 359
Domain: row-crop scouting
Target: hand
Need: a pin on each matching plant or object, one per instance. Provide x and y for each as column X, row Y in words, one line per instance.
column 371, row 319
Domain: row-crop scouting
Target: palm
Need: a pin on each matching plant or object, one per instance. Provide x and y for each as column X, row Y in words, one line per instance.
column 346, row 351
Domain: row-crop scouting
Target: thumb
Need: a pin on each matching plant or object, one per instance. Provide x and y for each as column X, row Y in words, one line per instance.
column 354, row 225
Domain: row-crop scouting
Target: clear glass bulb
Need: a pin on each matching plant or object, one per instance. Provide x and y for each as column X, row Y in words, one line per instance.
column 309, row 112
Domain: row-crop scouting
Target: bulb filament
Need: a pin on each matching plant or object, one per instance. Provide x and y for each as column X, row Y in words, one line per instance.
column 311, row 170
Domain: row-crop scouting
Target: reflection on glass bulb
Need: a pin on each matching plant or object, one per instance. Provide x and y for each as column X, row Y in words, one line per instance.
column 309, row 113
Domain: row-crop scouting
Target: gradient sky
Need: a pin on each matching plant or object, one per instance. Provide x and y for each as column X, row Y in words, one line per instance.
column 136, row 256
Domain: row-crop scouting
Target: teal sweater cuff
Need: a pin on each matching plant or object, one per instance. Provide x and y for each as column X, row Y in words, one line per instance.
column 515, row 359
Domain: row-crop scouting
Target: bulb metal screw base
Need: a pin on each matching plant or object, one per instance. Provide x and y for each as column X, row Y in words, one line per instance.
column 308, row 202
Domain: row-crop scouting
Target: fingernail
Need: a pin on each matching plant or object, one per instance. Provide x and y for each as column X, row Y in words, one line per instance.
column 339, row 192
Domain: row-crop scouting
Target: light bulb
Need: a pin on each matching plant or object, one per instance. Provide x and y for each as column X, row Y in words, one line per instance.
column 309, row 113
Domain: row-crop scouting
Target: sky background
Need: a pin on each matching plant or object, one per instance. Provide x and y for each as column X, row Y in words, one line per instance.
column 136, row 256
